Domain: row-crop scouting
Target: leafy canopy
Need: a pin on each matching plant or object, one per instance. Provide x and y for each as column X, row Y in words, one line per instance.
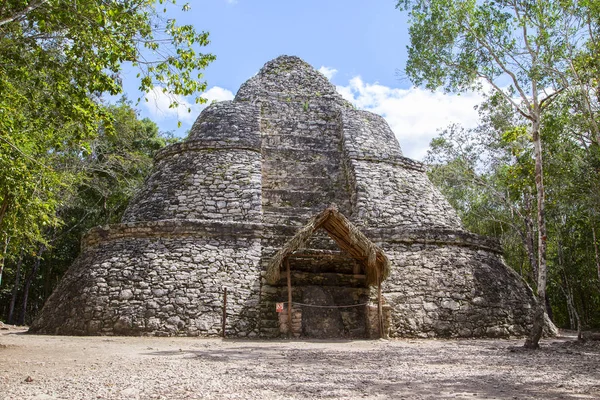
column 57, row 58
column 522, row 48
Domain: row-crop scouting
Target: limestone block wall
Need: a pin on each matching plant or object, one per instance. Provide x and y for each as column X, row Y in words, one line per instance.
column 229, row 123
column 392, row 194
column 286, row 75
column 303, row 169
column 205, row 183
column 214, row 175
column 387, row 188
column 453, row 290
column 368, row 136
column 159, row 286
column 218, row 206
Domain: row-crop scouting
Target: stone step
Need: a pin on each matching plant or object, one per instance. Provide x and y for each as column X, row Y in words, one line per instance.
column 322, row 155
column 270, row 323
column 275, row 242
column 324, row 261
column 270, row 332
column 300, row 213
column 281, row 168
column 281, row 295
column 319, row 199
column 300, row 278
column 310, row 183
column 277, row 140
column 276, row 219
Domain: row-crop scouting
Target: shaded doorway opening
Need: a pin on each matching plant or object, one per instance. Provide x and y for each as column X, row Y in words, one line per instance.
column 329, row 289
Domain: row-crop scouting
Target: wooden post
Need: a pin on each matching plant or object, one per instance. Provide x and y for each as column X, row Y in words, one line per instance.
column 289, row 290
column 224, row 310
column 379, row 305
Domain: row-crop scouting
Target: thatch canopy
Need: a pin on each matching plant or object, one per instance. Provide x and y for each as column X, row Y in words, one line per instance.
column 348, row 238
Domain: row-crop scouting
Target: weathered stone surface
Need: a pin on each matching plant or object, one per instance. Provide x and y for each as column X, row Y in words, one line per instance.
column 217, row 207
column 320, row 322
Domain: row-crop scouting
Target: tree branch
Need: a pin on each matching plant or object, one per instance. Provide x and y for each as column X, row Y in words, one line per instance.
column 33, row 6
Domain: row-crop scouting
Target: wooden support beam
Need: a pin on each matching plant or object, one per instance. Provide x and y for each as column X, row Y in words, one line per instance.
column 224, row 311
column 379, row 305
column 289, row 290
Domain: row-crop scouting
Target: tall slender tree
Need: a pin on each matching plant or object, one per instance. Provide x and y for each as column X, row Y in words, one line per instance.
column 515, row 47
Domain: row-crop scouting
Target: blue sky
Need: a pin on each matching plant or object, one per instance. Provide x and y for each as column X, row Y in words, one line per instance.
column 359, row 45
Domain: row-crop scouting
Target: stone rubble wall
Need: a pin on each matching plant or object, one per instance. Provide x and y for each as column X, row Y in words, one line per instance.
column 452, row 291
column 368, row 136
column 158, row 286
column 219, row 205
column 231, row 123
column 392, row 195
column 285, row 76
column 389, row 189
column 214, row 175
column 210, row 183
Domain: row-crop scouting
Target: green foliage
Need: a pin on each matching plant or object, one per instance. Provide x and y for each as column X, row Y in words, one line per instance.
column 520, row 47
column 116, row 164
column 64, row 156
column 486, row 173
column 57, row 58
column 109, row 173
column 532, row 54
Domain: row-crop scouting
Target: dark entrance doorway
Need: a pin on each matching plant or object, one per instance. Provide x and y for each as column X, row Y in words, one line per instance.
column 329, row 291
column 327, row 277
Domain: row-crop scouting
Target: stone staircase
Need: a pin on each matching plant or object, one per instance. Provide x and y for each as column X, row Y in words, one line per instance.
column 323, row 279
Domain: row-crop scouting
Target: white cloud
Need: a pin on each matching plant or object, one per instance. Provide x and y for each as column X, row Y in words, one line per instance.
column 158, row 104
column 413, row 114
column 216, row 93
column 328, row 72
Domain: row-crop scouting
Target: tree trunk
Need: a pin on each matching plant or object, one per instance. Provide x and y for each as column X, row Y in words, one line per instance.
column 30, row 278
column 596, row 251
column 529, row 243
column 549, row 308
column 535, row 335
column 3, row 257
column 568, row 292
column 572, row 323
column 4, row 208
column 574, row 319
column 20, row 14
column 13, row 299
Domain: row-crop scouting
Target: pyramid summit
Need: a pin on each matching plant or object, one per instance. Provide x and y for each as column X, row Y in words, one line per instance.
column 288, row 192
column 288, row 75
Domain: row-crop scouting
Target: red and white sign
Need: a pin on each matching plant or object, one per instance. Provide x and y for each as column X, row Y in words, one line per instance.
column 279, row 307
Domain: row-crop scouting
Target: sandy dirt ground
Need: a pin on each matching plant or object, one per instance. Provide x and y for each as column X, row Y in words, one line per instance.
column 54, row 367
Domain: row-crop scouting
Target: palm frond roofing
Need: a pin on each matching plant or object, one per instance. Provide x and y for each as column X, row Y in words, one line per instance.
column 347, row 236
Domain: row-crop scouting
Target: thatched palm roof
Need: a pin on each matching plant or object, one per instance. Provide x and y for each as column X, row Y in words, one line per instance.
column 348, row 238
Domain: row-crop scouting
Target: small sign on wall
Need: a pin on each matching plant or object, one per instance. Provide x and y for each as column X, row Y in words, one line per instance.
column 279, row 307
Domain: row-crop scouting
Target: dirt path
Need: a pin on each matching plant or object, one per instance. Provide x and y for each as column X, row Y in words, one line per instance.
column 191, row 368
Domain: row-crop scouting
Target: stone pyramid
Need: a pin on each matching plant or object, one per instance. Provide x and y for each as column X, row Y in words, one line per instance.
column 218, row 206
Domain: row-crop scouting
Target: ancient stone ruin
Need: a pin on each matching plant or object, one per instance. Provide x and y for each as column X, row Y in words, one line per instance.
column 288, row 186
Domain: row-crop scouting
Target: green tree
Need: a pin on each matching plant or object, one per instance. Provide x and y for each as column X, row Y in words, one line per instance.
column 487, row 174
column 516, row 47
column 57, row 58
column 109, row 174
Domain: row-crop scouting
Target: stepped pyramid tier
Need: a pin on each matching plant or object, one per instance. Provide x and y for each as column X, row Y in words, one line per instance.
column 245, row 203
